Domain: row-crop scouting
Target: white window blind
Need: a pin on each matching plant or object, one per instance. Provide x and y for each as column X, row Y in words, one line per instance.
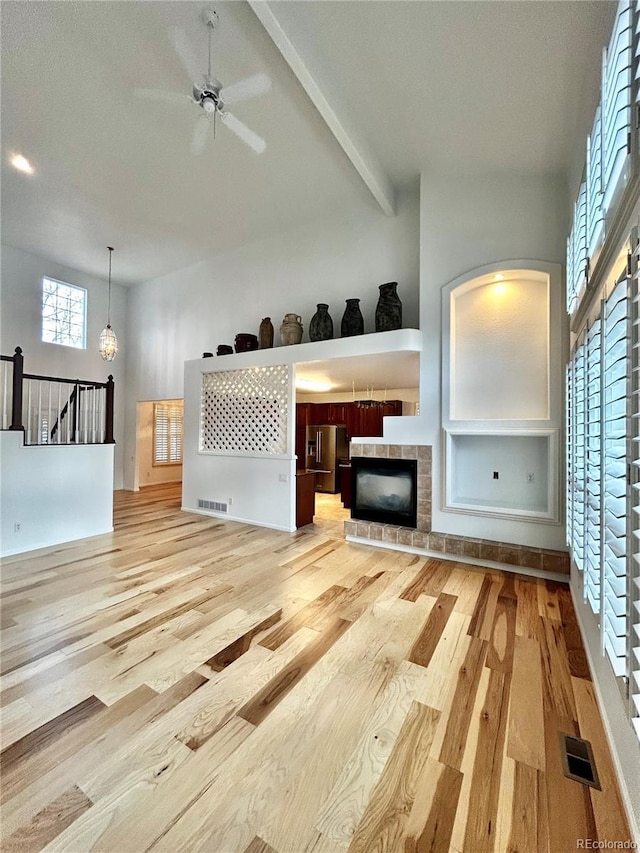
column 569, row 441
column 167, row 434
column 595, row 210
column 634, row 459
column 577, row 255
column 578, row 446
column 592, row 551
column 572, row 296
column 614, row 472
column 578, row 250
column 616, row 101
column 636, row 57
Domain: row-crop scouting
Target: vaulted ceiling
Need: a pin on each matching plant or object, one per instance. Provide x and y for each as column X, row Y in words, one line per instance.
column 409, row 86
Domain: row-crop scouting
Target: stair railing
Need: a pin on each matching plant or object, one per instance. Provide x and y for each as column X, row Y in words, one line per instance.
column 47, row 412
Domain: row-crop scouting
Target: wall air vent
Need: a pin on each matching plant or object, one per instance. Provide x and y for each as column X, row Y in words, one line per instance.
column 216, row 506
column 577, row 759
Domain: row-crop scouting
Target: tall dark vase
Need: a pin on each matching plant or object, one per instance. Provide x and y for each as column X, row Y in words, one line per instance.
column 389, row 308
column 352, row 319
column 321, row 326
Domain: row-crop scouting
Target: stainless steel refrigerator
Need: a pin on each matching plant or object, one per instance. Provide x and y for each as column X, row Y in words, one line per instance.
column 324, row 446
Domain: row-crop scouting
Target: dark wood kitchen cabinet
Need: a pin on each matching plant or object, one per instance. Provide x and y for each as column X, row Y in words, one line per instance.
column 319, row 414
column 359, row 420
column 303, row 414
column 305, row 497
column 338, row 413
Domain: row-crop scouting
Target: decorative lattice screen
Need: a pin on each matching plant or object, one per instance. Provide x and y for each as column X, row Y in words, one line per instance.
column 245, row 411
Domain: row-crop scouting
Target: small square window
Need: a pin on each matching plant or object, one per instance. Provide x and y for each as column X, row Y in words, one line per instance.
column 64, row 313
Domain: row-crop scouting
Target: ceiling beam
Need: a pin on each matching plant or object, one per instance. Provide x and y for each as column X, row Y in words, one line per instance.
column 364, row 161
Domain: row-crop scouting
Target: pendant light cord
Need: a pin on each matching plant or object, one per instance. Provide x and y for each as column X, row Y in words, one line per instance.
column 110, row 248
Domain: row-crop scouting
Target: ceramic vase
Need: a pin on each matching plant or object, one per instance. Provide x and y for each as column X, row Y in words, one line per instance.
column 246, row 342
column 291, row 329
column 352, row 319
column 266, row 333
column 321, row 326
column 389, row 308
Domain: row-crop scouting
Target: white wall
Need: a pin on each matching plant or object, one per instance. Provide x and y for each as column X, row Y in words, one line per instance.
column 467, row 223
column 20, row 325
column 56, row 493
column 178, row 317
column 258, row 489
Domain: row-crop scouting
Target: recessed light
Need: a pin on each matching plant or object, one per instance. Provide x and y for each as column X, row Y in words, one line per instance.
column 498, row 277
column 21, row 164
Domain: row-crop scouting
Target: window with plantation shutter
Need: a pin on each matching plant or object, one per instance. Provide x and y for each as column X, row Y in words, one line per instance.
column 592, row 550
column 635, row 95
column 616, row 100
column 578, row 461
column 595, row 210
column 577, row 252
column 167, row 434
column 614, row 473
column 572, row 296
column 634, row 459
column 569, row 451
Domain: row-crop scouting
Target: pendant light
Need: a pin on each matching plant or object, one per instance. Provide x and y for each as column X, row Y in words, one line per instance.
column 108, row 348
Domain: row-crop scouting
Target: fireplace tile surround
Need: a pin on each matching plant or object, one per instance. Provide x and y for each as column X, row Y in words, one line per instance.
column 424, row 538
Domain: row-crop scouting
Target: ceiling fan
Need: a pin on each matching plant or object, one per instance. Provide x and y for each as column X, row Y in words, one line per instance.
column 211, row 96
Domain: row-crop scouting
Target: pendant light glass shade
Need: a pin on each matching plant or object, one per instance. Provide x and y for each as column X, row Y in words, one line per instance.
column 108, row 343
column 108, row 348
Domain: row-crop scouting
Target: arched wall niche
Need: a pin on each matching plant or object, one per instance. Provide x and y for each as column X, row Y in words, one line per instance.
column 501, row 390
column 499, row 347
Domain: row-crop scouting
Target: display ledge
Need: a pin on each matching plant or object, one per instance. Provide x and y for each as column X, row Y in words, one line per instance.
column 376, row 343
column 473, row 503
column 497, row 509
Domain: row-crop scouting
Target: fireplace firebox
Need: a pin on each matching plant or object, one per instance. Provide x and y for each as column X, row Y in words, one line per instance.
column 384, row 490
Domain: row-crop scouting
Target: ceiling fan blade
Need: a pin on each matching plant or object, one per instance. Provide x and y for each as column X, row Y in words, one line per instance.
column 185, row 54
column 199, row 137
column 245, row 89
column 246, row 135
column 160, row 95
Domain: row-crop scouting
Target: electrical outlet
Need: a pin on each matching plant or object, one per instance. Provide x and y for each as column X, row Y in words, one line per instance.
column 530, row 478
column 230, row 501
column 17, row 527
column 496, row 475
column 283, row 478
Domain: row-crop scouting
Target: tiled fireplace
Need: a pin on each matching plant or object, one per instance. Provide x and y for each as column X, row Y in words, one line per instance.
column 423, row 538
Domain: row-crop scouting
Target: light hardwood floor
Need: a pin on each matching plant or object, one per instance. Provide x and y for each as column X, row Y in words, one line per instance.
column 192, row 684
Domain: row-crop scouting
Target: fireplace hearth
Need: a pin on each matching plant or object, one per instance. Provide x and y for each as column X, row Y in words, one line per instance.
column 384, row 490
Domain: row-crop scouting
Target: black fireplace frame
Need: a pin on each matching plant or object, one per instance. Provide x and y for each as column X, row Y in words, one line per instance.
column 384, row 466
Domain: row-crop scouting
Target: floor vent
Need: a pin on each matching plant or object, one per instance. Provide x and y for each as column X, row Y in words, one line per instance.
column 578, row 762
column 216, row 506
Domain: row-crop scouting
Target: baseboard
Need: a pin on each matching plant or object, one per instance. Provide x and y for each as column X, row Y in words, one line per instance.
column 54, row 543
column 223, row 516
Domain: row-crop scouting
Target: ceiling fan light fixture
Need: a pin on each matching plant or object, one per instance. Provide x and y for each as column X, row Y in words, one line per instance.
column 208, row 104
column 108, row 344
